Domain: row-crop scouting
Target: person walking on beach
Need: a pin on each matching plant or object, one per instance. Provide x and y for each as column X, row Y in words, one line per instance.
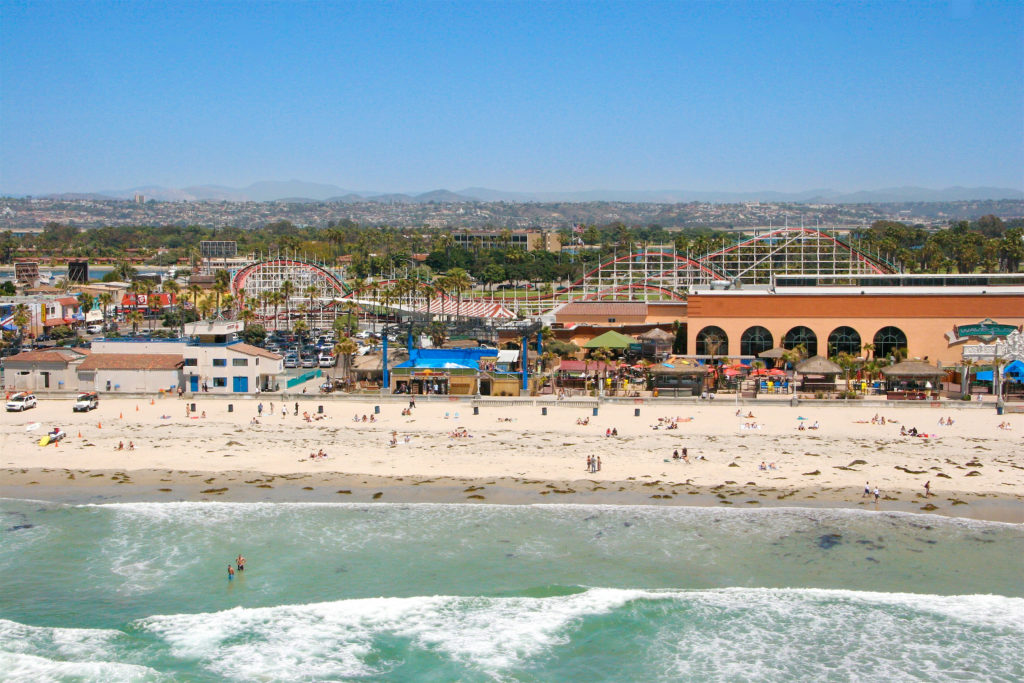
column 259, row 410
column 867, row 489
column 927, row 488
column 598, row 463
column 877, row 494
column 590, row 463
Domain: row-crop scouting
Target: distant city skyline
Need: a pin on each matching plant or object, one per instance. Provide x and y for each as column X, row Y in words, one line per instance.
column 521, row 97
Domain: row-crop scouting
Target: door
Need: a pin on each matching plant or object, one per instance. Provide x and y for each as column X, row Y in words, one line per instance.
column 193, row 383
column 240, row 385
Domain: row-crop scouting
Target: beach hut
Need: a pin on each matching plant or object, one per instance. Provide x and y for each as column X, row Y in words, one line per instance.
column 680, row 380
column 818, row 373
column 656, row 343
column 911, row 379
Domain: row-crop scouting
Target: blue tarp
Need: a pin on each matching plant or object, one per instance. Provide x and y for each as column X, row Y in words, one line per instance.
column 1014, row 370
column 447, row 359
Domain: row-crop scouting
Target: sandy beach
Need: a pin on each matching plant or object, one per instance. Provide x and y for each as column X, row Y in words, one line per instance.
column 517, row 455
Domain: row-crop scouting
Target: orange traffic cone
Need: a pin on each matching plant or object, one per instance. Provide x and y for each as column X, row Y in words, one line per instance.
column 99, row 425
column 152, row 402
column 79, row 434
column 136, row 407
column 120, row 416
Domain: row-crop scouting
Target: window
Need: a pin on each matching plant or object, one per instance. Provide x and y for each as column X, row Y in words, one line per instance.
column 844, row 340
column 755, row 340
column 239, row 362
column 191, row 362
column 220, row 381
column 712, row 341
column 801, row 336
column 611, row 320
column 888, row 340
column 220, row 362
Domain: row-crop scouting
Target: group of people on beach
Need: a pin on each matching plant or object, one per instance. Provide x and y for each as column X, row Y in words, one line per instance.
column 669, row 422
column 610, row 432
column 764, row 468
column 868, row 491
column 593, row 463
column 372, row 418
column 801, row 427
column 120, row 446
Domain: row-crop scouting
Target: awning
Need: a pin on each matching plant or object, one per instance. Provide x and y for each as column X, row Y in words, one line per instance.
column 508, row 356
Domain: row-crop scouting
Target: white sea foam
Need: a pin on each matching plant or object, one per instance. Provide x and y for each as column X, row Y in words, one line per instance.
column 67, row 643
column 40, row 653
column 330, row 640
column 22, row 668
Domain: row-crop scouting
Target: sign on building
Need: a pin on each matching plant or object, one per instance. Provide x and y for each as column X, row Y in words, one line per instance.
column 209, row 249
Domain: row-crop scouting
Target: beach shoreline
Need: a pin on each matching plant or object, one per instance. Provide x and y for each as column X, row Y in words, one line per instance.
column 84, row 487
column 132, row 450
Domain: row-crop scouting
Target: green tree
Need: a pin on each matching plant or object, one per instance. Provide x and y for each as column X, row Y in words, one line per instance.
column 343, row 351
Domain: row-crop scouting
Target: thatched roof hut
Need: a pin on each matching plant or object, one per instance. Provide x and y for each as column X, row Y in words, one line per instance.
column 818, row 365
column 913, row 369
column 657, row 334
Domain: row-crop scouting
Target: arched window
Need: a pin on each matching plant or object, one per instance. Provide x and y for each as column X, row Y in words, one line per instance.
column 801, row 335
column 888, row 339
column 844, row 340
column 755, row 340
column 712, row 341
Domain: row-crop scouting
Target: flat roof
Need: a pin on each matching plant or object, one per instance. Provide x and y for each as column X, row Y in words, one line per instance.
column 866, row 291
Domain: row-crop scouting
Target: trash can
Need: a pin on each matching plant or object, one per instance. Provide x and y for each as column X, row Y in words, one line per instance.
column 231, row 408
column 376, row 410
column 999, row 410
column 476, row 410
column 544, row 410
column 320, row 409
column 595, row 412
column 193, row 407
column 636, row 412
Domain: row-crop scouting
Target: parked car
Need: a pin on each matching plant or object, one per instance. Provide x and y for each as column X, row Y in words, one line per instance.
column 291, row 361
column 327, row 360
column 86, row 402
column 94, row 329
column 309, row 362
column 21, row 401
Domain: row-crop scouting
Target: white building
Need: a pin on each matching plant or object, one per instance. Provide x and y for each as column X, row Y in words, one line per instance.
column 212, row 360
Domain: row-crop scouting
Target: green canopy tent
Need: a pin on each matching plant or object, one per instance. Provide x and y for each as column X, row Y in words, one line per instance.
column 610, row 340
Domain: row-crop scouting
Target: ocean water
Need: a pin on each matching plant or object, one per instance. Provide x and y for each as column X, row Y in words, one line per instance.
column 390, row 592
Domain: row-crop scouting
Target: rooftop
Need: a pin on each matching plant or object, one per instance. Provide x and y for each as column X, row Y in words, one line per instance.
column 132, row 361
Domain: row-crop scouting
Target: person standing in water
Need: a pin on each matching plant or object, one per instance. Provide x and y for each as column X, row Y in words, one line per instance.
column 241, row 563
column 231, row 572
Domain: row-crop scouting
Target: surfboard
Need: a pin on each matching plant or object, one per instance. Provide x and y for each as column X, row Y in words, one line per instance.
column 45, row 440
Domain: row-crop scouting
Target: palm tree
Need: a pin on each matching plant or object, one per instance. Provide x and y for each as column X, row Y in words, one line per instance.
column 343, row 350
column 848, row 362
column 229, row 303
column 287, row 289
column 106, row 298
column 602, row 355
column 21, row 320
column 458, row 279
column 194, row 291
column 205, row 309
column 311, row 291
column 275, row 298
column 135, row 317
column 219, row 289
column 146, row 287
column 172, row 288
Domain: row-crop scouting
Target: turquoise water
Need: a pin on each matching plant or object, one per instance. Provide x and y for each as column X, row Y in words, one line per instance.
column 527, row 593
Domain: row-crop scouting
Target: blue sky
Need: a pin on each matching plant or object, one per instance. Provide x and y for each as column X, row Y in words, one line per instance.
column 515, row 96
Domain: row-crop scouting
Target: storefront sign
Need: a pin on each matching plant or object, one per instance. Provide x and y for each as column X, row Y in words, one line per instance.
column 1011, row 348
column 986, row 328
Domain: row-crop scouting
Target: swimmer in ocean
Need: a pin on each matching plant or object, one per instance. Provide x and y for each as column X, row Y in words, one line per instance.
column 231, row 573
column 241, row 563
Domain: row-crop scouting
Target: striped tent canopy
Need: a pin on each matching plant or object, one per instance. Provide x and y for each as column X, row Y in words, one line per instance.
column 469, row 308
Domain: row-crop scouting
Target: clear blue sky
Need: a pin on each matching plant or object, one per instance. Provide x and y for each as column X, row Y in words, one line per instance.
column 515, row 96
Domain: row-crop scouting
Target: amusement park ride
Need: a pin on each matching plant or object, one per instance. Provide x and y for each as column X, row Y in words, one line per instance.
column 654, row 273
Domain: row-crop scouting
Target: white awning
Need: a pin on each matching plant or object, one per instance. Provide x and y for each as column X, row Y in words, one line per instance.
column 508, row 355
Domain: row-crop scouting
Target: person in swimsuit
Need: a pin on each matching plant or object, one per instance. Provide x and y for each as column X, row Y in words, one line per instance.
column 231, row 573
column 241, row 563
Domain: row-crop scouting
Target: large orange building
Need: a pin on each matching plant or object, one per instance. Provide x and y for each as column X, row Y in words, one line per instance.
column 917, row 316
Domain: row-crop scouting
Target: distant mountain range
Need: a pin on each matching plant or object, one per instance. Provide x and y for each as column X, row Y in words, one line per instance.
column 296, row 191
